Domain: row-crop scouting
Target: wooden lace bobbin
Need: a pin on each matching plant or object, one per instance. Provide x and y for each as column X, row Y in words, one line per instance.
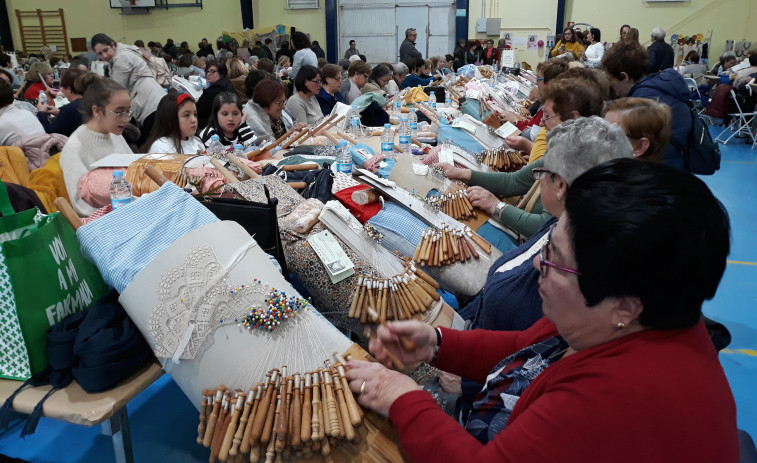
column 356, row 296
column 426, row 254
column 426, row 287
column 325, row 420
column 401, row 299
column 294, row 138
column 241, row 166
column 296, row 413
column 344, row 412
column 394, row 309
column 213, row 418
column 246, row 421
column 223, row 453
column 262, row 151
column 426, row 300
column 307, row 410
column 282, row 426
column 346, row 137
column 270, row 453
column 331, row 137
column 221, row 425
column 413, row 303
column 455, row 244
column 424, row 275
column 226, row 173
column 373, row 284
column 354, row 411
column 334, row 123
column 331, row 405
column 317, row 430
column 384, row 299
column 265, row 403
column 462, row 257
column 318, row 127
column 419, row 248
column 207, row 403
column 268, row 428
column 469, row 246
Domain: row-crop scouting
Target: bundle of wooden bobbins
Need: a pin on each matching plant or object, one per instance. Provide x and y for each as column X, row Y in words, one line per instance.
column 447, row 246
column 285, row 416
column 455, row 204
column 502, row 159
column 400, row 297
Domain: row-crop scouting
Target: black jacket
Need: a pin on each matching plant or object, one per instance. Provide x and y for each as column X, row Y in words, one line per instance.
column 205, row 103
column 661, row 57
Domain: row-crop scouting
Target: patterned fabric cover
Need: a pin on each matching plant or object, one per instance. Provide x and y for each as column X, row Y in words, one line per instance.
column 122, row 242
column 15, row 357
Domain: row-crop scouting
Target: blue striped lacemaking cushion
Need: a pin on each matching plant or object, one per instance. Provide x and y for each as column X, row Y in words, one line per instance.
column 124, row 241
column 402, row 230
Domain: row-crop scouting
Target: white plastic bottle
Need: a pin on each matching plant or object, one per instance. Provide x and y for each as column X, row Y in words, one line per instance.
column 404, row 134
column 447, row 99
column 412, row 120
column 354, row 122
column 239, row 151
column 42, row 98
column 120, row 190
column 344, row 158
column 397, row 104
column 215, row 147
column 432, row 100
column 387, row 141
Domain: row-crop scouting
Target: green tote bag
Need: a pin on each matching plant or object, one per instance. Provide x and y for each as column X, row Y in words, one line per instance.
column 45, row 277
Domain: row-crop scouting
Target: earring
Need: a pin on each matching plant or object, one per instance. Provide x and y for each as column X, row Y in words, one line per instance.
column 559, row 197
column 99, row 118
column 621, row 325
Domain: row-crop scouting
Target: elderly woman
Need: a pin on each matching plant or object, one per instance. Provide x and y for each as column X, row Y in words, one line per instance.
column 380, row 76
column 331, row 82
column 646, row 124
column 621, row 356
column 510, row 298
column 67, row 118
column 357, row 76
column 216, row 73
column 568, row 44
column 265, row 110
column 303, row 105
column 399, row 73
column 39, row 74
column 625, row 65
column 565, row 98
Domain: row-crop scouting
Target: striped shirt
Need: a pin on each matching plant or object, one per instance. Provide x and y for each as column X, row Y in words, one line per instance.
column 243, row 135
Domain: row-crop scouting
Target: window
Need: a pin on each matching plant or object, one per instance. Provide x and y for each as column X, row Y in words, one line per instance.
column 301, row 4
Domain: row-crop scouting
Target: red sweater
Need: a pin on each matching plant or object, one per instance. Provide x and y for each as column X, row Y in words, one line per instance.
column 653, row 396
column 32, row 92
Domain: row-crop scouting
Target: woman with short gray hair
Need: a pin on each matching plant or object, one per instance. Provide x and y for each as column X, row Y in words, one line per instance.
column 398, row 75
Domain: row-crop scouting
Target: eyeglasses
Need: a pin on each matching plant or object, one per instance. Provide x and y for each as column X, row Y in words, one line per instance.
column 539, row 173
column 545, row 119
column 366, row 76
column 281, row 103
column 125, row 115
column 545, row 264
column 315, row 81
column 540, row 79
column 211, row 71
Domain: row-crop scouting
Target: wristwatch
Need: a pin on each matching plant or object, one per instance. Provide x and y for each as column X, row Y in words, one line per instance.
column 499, row 208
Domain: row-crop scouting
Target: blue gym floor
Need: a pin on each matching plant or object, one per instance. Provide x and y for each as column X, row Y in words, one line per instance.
column 164, row 422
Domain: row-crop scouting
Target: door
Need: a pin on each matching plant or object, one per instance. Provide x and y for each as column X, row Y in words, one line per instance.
column 372, row 28
column 441, row 30
column 417, row 18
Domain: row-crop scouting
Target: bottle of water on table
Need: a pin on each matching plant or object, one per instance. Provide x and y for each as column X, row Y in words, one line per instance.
column 344, row 158
column 215, row 147
column 120, row 190
column 432, row 100
column 239, row 151
column 412, row 120
column 387, row 141
column 354, row 122
column 397, row 104
column 42, row 98
column 405, row 136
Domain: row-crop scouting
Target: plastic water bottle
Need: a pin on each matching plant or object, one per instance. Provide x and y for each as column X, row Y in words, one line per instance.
column 387, row 141
column 405, row 136
column 432, row 100
column 120, row 190
column 412, row 120
column 397, row 104
column 447, row 99
column 239, row 151
column 42, row 98
column 215, row 147
column 354, row 122
column 344, row 159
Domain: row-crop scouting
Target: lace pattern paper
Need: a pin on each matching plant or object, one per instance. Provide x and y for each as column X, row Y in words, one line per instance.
column 195, row 298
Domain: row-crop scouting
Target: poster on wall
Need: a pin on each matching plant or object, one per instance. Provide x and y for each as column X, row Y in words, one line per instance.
column 532, row 38
column 550, row 41
column 508, row 36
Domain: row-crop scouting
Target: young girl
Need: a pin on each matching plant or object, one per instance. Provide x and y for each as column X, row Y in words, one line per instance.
column 175, row 126
column 226, row 121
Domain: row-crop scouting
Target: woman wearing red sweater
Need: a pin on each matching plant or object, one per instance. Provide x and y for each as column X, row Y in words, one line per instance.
column 620, row 369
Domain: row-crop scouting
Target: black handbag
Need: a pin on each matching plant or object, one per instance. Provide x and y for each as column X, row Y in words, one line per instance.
column 259, row 219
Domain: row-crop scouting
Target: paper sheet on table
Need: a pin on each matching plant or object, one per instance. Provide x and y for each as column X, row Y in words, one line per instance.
column 116, row 160
column 420, row 169
column 446, row 155
column 465, row 125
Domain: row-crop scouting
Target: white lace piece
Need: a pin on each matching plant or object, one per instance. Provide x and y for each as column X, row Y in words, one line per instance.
column 194, row 299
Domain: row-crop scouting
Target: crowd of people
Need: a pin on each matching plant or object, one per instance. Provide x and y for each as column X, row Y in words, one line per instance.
column 580, row 329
